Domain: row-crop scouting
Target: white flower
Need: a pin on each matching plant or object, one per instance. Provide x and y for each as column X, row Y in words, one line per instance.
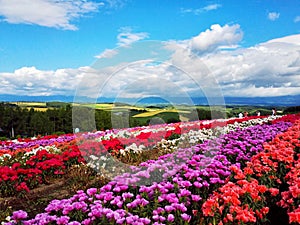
column 93, row 157
column 122, row 152
column 103, row 158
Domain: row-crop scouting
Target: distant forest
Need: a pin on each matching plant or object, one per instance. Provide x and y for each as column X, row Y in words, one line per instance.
column 16, row 121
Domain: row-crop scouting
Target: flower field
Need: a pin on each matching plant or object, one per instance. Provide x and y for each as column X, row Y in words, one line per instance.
column 233, row 171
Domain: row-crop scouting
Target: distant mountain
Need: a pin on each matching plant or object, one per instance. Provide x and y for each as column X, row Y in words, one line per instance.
column 290, row 100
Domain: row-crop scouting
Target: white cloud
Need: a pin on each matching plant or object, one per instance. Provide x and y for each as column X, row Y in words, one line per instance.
column 34, row 82
column 49, row 13
column 297, row 19
column 273, row 16
column 292, row 39
column 107, row 53
column 211, row 7
column 217, row 37
column 127, row 36
column 201, row 10
column 267, row 69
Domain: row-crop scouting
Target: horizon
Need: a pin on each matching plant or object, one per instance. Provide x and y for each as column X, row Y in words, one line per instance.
column 285, row 101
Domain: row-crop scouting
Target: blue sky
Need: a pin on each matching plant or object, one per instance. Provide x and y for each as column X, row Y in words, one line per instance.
column 42, row 39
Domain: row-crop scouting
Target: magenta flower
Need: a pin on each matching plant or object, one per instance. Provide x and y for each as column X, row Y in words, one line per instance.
column 170, row 218
column 19, row 215
column 185, row 217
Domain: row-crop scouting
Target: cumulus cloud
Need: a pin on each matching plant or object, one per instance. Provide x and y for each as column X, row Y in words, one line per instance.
column 58, row 14
column 34, row 82
column 273, row 16
column 217, row 37
column 201, row 10
column 268, row 69
column 127, row 36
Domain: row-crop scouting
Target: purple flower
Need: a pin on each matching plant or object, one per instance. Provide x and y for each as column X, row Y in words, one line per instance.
column 87, row 221
column 197, row 184
column 19, row 215
column 74, row 223
column 120, row 221
column 169, row 208
column 145, row 220
column 170, row 218
column 91, row 191
column 62, row 220
column 196, row 198
column 185, row 217
column 184, row 193
column 158, row 211
column 155, row 217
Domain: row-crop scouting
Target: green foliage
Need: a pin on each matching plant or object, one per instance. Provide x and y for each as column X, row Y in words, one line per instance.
column 57, row 105
column 24, row 122
column 293, row 109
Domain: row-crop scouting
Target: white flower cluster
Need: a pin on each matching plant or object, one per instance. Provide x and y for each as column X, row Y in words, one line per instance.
column 190, row 138
column 133, row 148
column 48, row 148
column 194, row 137
column 97, row 163
column 4, row 157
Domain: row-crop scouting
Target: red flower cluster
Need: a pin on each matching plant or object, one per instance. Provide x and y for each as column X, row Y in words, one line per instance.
column 287, row 118
column 36, row 170
column 245, row 198
column 241, row 201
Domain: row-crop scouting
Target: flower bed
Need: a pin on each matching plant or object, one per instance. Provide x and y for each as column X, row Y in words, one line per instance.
column 270, row 181
column 179, row 184
column 23, row 167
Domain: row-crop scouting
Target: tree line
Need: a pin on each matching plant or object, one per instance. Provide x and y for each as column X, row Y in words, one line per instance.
column 16, row 121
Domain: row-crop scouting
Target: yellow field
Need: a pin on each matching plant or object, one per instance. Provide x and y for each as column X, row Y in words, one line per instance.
column 30, row 104
column 38, row 109
column 108, row 106
column 155, row 112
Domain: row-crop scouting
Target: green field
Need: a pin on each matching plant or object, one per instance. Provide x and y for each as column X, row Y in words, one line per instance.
column 150, row 112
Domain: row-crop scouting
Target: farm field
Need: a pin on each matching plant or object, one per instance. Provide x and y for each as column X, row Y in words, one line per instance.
column 202, row 172
column 148, row 112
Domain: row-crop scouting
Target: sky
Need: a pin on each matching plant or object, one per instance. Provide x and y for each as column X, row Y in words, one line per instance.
column 247, row 48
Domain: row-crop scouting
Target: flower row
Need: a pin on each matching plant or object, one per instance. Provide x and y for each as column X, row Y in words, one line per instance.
column 271, row 178
column 169, row 190
column 23, row 171
column 127, row 136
